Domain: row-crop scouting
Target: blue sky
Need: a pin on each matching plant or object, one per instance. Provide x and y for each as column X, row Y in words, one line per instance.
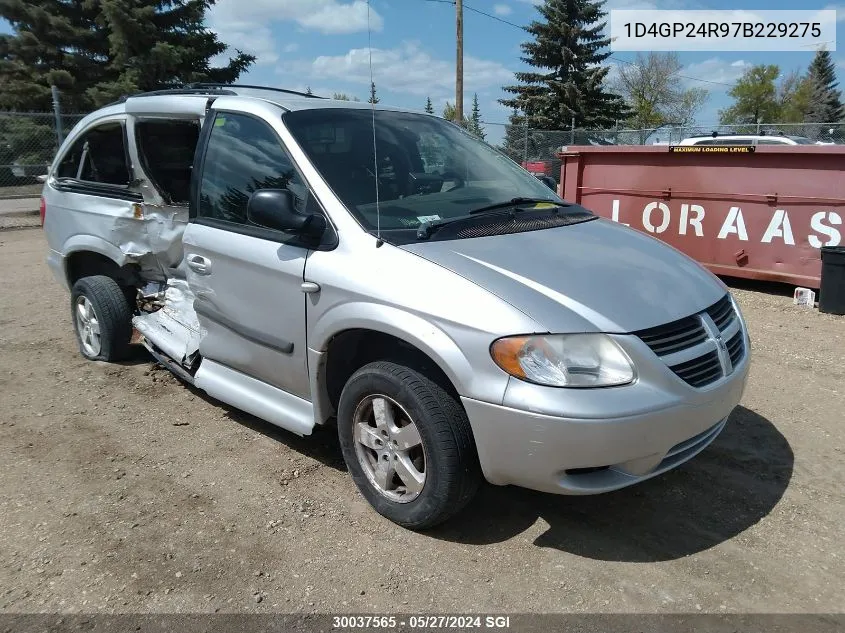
column 323, row 44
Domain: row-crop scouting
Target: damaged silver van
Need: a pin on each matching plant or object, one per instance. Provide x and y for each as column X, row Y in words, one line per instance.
column 313, row 261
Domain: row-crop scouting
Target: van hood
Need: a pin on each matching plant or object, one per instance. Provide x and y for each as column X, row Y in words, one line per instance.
column 587, row 277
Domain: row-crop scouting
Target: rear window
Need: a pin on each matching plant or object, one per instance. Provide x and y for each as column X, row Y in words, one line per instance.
column 98, row 156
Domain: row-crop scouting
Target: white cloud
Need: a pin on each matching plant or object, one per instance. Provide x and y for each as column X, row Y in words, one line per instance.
column 501, row 9
column 250, row 38
column 408, row 69
column 325, row 16
column 290, row 48
column 246, row 24
column 840, row 11
column 330, row 16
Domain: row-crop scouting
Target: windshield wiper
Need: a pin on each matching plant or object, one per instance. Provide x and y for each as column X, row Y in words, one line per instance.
column 428, row 228
column 517, row 201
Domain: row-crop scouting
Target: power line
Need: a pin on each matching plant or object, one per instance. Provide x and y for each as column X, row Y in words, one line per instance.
column 616, row 59
column 707, row 81
column 490, row 15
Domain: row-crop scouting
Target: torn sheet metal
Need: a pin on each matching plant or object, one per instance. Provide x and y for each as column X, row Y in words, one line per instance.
column 151, row 236
column 174, row 329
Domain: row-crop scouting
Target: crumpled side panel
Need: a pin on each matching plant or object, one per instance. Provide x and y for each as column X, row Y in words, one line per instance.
column 174, row 328
column 152, row 237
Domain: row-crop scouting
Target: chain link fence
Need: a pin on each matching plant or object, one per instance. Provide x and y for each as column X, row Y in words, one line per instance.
column 28, row 143
column 537, row 149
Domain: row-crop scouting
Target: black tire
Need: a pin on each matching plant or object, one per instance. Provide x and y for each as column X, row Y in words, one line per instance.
column 452, row 471
column 113, row 313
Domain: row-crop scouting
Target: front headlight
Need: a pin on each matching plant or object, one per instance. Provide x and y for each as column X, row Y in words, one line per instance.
column 564, row 360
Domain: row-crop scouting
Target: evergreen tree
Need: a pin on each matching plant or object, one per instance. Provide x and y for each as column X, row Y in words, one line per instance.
column 515, row 132
column 162, row 43
column 428, row 107
column 95, row 52
column 825, row 104
column 373, row 98
column 567, row 51
column 474, row 125
column 52, row 43
column 308, row 90
column 342, row 96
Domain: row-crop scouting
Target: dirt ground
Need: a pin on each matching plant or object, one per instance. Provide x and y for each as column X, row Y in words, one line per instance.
column 123, row 490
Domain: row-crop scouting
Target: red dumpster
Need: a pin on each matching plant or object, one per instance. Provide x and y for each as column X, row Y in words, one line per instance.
column 763, row 213
column 544, row 168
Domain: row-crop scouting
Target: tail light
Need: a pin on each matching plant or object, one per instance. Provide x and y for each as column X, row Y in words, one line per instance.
column 43, row 209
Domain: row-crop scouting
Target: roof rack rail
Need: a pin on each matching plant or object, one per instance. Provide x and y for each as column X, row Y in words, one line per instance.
column 214, row 89
column 253, row 87
column 175, row 91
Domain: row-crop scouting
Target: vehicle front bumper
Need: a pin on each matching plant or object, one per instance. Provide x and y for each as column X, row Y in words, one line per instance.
column 601, row 448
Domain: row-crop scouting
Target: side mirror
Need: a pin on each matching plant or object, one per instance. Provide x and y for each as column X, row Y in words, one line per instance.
column 548, row 181
column 275, row 209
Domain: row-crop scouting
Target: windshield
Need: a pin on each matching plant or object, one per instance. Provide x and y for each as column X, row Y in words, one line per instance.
column 428, row 168
column 801, row 140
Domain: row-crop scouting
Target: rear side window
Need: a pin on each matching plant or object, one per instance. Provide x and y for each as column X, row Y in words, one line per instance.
column 244, row 155
column 98, row 156
column 167, row 150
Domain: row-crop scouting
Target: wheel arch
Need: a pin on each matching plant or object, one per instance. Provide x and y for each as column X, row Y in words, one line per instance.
column 89, row 255
column 372, row 333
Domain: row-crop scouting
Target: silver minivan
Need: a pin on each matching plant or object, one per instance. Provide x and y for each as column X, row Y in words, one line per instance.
column 313, row 261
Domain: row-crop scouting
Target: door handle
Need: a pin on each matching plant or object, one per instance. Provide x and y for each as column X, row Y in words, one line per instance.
column 199, row 264
column 309, row 287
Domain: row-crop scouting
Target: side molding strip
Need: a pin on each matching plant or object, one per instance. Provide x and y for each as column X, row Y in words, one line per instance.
column 280, row 345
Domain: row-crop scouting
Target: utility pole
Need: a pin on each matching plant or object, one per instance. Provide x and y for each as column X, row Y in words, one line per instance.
column 459, row 63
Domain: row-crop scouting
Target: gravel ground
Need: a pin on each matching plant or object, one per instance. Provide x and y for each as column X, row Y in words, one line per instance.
column 123, row 490
column 11, row 220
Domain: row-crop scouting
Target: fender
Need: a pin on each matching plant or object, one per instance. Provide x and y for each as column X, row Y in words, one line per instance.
column 423, row 334
column 94, row 244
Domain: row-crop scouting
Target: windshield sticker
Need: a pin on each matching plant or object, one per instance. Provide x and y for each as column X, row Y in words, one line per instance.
column 544, row 205
column 427, row 218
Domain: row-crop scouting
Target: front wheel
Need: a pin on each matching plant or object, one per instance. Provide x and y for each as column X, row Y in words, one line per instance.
column 407, row 444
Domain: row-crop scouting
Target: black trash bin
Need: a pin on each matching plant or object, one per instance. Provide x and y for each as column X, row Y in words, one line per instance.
column 832, row 287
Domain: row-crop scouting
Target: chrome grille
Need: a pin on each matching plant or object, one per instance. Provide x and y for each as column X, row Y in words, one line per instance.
column 700, row 371
column 736, row 348
column 694, row 347
column 722, row 313
column 674, row 336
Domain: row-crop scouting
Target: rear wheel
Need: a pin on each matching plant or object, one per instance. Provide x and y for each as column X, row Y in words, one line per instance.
column 102, row 318
column 407, row 444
